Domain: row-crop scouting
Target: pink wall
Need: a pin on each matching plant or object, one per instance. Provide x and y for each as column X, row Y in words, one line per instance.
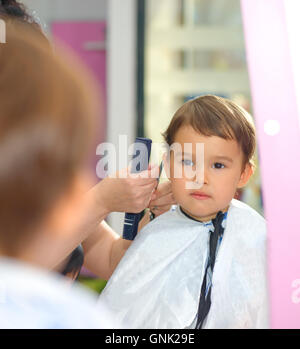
column 77, row 35
column 274, row 98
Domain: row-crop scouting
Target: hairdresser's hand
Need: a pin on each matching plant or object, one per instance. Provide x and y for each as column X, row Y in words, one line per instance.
column 125, row 192
column 162, row 199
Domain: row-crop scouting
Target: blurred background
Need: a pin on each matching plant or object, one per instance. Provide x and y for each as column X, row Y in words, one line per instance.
column 149, row 57
column 192, row 47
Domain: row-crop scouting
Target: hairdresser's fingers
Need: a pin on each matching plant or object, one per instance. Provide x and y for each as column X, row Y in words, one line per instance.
column 124, row 194
column 133, row 181
column 142, row 196
column 148, row 175
column 146, row 188
column 163, row 201
column 154, row 171
column 145, row 192
column 151, row 172
column 162, row 190
column 160, row 210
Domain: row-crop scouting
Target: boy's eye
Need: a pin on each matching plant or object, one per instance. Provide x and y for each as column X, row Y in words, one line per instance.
column 218, row 165
column 186, row 162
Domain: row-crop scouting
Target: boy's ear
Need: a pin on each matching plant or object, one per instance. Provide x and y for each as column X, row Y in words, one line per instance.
column 246, row 175
column 166, row 162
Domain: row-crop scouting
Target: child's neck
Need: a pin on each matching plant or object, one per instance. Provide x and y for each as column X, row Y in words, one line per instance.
column 206, row 218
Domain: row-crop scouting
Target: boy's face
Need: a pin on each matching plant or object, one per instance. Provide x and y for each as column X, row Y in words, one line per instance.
column 223, row 166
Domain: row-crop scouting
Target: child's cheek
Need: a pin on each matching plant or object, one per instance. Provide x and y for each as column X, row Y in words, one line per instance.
column 178, row 189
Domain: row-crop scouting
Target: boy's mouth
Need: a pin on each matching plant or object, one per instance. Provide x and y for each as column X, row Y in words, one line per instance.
column 199, row 195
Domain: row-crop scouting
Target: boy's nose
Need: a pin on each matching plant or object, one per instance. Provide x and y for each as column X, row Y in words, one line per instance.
column 205, row 178
column 201, row 178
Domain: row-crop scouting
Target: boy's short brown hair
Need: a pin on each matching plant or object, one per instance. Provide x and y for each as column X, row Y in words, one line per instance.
column 47, row 114
column 216, row 116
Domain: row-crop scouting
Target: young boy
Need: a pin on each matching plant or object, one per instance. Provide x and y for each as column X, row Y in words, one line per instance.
column 202, row 265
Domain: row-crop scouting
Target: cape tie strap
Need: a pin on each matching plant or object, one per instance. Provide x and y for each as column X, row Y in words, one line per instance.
column 205, row 296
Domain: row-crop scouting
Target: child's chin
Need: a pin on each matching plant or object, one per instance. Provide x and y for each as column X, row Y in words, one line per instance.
column 197, row 214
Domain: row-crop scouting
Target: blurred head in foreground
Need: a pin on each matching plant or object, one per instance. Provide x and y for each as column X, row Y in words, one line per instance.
column 48, row 107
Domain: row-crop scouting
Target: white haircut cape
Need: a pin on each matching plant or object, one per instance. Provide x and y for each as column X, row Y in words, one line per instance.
column 157, row 283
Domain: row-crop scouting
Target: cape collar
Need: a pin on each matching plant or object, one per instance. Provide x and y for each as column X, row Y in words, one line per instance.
column 208, row 223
